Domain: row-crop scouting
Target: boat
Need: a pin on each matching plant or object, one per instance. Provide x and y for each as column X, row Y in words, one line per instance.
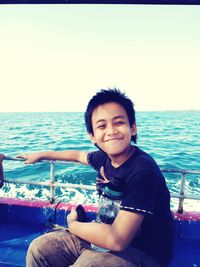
column 22, row 220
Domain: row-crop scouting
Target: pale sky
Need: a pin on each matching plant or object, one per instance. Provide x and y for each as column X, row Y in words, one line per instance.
column 55, row 57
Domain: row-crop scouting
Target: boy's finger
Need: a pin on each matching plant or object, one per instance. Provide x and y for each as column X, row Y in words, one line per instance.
column 21, row 156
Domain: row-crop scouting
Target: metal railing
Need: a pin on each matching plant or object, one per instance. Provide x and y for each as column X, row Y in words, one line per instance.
column 52, row 182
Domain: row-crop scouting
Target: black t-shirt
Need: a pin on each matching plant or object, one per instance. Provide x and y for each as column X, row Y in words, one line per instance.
column 145, row 192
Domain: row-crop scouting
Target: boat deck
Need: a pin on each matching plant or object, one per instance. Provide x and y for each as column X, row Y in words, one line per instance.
column 15, row 239
column 21, row 222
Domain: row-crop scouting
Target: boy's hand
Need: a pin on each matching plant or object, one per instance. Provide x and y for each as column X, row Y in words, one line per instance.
column 72, row 216
column 30, row 158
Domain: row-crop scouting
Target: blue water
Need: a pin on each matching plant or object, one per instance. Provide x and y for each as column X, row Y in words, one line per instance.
column 172, row 138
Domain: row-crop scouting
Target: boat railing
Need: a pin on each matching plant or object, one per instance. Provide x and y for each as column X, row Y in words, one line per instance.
column 52, row 183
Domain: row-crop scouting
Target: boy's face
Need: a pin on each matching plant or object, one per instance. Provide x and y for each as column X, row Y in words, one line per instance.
column 112, row 131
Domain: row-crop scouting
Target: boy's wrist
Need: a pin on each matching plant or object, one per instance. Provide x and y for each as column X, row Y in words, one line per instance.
column 71, row 223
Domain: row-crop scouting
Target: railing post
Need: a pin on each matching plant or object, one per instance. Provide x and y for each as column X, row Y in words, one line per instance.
column 52, row 180
column 182, row 193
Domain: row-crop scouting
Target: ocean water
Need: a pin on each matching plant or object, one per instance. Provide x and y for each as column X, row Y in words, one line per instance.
column 171, row 137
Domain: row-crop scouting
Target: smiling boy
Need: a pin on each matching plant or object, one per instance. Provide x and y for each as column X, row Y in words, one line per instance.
column 142, row 231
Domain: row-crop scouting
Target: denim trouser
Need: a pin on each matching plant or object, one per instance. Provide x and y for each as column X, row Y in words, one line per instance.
column 62, row 249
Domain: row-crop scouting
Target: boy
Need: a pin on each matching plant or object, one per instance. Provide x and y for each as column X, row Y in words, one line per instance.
column 142, row 231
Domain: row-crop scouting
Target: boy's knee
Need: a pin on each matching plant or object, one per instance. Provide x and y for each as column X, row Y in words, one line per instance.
column 37, row 250
column 34, row 248
column 37, row 253
column 32, row 252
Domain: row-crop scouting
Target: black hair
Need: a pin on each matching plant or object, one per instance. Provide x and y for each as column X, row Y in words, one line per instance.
column 110, row 95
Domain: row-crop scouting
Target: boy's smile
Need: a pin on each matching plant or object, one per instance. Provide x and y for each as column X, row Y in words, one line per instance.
column 112, row 131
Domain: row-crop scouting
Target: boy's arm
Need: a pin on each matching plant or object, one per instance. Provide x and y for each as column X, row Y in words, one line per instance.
column 114, row 237
column 68, row 155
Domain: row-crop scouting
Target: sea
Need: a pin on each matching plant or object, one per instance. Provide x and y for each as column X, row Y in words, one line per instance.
column 172, row 138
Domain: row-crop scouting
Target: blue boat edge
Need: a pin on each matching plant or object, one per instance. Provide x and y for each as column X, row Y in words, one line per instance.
column 23, row 220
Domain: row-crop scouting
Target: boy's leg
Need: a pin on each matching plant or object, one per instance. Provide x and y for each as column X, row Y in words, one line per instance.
column 60, row 248
column 55, row 249
column 130, row 257
column 90, row 258
column 137, row 257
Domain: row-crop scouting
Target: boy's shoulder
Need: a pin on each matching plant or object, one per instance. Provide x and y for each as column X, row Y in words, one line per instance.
column 96, row 158
column 141, row 161
column 141, row 155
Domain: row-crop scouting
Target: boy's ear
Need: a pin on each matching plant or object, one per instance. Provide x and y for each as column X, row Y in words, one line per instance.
column 133, row 129
column 92, row 138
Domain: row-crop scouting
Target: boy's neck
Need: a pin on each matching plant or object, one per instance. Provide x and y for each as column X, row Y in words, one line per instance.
column 118, row 160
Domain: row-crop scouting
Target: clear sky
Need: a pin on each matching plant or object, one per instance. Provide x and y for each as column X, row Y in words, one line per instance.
column 55, row 57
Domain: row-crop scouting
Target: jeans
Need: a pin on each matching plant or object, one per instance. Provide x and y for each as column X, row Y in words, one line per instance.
column 63, row 249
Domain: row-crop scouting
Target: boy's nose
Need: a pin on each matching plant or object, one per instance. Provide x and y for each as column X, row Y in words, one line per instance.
column 111, row 129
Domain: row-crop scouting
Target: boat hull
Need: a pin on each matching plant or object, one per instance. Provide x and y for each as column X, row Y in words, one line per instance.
column 23, row 220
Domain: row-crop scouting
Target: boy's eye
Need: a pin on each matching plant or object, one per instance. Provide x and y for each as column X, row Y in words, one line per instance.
column 101, row 126
column 119, row 122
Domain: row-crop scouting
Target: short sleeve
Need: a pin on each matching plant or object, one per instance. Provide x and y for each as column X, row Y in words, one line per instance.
column 140, row 191
column 96, row 159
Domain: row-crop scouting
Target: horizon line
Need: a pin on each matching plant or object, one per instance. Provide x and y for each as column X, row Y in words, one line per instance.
column 166, row 110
